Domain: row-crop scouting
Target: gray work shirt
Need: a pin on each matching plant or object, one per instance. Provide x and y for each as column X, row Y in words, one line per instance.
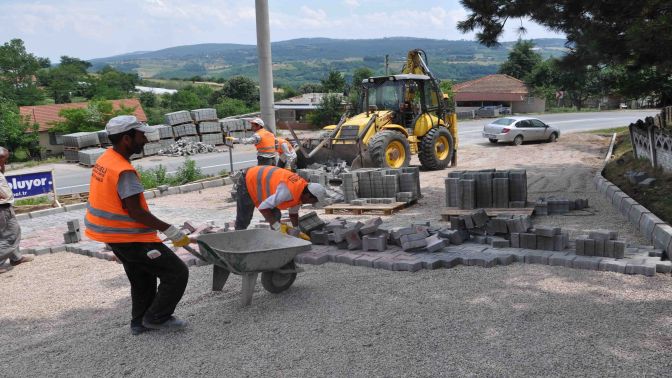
column 129, row 185
column 6, row 195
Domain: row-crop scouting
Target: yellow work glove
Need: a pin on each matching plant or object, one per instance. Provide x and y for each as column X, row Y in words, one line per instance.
column 231, row 139
column 179, row 238
column 289, row 230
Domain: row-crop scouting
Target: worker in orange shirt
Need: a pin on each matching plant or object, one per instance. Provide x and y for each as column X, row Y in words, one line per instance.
column 263, row 140
column 117, row 214
column 286, row 154
column 271, row 189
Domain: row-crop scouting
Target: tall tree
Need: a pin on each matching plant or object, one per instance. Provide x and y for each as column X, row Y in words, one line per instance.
column 16, row 132
column 328, row 111
column 522, row 59
column 92, row 118
column 242, row 88
column 356, row 86
column 333, row 83
column 17, row 73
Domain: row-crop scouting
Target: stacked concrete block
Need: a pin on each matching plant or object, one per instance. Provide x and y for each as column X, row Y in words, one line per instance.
column 165, row 131
column 404, row 197
column 104, row 138
column 453, row 192
column 498, row 225
column 152, row 148
column 209, row 127
column 74, row 233
column 484, row 189
column 89, row 156
column 602, row 243
column 390, row 185
column 556, row 206
column 415, row 172
column 376, row 241
column 468, row 189
column 190, row 138
column 310, row 222
column 213, row 139
column 178, row 118
column 498, row 242
column 518, row 185
column 364, row 178
column 541, row 207
column 413, row 241
column 500, row 192
column 350, row 186
column 81, row 140
column 207, row 114
column 434, row 243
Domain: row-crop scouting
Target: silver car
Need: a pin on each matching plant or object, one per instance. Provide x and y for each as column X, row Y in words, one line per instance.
column 517, row 130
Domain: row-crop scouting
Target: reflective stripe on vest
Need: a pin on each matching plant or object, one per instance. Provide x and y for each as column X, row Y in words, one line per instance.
column 106, row 220
column 267, row 143
column 263, row 181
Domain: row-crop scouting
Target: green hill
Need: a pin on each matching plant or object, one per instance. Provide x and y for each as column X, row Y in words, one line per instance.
column 309, row 59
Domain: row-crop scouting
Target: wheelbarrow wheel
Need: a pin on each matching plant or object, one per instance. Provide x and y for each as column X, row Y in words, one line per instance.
column 276, row 282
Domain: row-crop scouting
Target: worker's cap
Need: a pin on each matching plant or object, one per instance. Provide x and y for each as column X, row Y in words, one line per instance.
column 121, row 124
column 319, row 192
column 258, row 121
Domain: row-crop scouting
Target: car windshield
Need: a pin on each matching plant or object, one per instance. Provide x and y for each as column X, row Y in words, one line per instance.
column 504, row 121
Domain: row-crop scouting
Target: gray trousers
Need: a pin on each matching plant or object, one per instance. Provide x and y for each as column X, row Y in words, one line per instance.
column 10, row 235
column 245, row 205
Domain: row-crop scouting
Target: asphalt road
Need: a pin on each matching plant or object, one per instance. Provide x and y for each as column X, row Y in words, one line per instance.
column 75, row 179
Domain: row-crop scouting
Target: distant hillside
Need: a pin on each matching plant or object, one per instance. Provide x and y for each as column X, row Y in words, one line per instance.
column 309, row 59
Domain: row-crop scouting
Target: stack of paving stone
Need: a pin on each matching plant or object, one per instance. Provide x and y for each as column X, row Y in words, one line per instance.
column 235, row 127
column 89, row 156
column 486, row 189
column 400, row 185
column 154, row 141
column 553, row 206
column 545, row 238
column 75, row 142
column 104, row 138
column 310, row 222
column 602, row 243
column 208, row 127
column 182, row 124
column 74, row 233
column 478, row 226
column 166, row 137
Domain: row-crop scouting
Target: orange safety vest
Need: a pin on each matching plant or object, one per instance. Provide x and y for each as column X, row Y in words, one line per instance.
column 106, row 219
column 267, row 144
column 280, row 142
column 262, row 182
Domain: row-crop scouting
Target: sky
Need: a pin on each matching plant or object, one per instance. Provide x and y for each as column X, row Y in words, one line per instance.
column 89, row 29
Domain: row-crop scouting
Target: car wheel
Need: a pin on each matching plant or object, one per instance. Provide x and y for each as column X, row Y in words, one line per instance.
column 553, row 138
column 518, row 140
column 494, row 141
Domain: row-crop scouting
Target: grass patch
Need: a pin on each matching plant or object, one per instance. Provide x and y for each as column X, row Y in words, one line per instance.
column 656, row 198
column 42, row 200
column 35, row 163
column 610, row 131
column 154, row 177
column 570, row 110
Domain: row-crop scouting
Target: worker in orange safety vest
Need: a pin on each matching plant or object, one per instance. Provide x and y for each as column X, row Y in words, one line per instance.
column 263, row 140
column 286, row 154
column 271, row 189
column 117, row 214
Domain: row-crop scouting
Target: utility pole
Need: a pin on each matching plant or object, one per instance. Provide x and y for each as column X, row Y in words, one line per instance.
column 265, row 65
column 387, row 63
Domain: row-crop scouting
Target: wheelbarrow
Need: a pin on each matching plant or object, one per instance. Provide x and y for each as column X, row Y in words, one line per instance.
column 248, row 253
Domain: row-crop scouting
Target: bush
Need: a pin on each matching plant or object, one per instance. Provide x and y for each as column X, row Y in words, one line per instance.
column 154, row 177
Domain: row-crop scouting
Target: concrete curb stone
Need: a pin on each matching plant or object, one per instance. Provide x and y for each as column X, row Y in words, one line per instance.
column 75, row 206
column 626, row 205
column 635, row 214
column 662, row 236
column 45, row 212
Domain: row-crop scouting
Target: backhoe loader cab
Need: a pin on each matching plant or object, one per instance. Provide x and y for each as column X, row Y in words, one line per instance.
column 399, row 116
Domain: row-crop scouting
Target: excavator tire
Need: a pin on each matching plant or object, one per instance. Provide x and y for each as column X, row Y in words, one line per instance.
column 436, row 149
column 390, row 149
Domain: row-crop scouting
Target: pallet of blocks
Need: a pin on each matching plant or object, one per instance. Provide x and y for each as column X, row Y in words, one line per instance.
column 88, row 157
column 73, row 143
column 181, row 123
column 235, row 127
column 208, row 126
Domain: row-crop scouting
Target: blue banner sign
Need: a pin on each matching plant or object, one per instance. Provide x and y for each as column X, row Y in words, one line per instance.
column 31, row 184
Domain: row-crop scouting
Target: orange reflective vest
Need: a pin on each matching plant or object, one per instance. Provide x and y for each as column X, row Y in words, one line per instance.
column 106, row 219
column 280, row 142
column 262, row 181
column 267, row 144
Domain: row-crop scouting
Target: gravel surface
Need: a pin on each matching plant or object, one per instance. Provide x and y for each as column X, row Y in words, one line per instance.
column 65, row 315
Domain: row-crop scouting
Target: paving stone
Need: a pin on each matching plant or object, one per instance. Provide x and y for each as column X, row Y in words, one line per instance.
column 353, row 239
column 347, row 258
column 647, row 224
column 547, row 231
column 434, row 243
column 450, row 260
column 626, row 205
column 376, row 242
column 497, row 242
column 641, row 267
column 560, row 259
column 430, row 261
column 589, row 247
column 664, row 266
column 408, row 265
column 600, row 248
column 515, row 240
column 528, row 241
column 537, row 257
column 600, row 235
column 662, row 235
column 586, row 262
column 603, row 266
column 619, row 249
column 385, row 262
column 319, row 237
column 545, row 243
column 371, row 226
column 75, row 207
column 520, row 254
column 367, row 260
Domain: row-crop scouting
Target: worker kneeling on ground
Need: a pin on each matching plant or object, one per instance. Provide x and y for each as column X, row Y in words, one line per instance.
column 117, row 214
column 286, row 154
column 263, row 140
column 271, row 189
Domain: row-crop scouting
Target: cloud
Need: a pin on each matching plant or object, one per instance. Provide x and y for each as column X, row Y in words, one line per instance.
column 352, row 3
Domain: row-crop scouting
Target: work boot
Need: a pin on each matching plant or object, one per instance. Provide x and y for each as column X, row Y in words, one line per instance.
column 172, row 324
column 138, row 329
column 23, row 259
column 5, row 269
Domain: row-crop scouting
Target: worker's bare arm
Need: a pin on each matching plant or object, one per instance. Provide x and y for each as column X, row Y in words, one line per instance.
column 135, row 211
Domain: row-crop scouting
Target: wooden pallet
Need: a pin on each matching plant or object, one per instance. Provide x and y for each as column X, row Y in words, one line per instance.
column 386, row 209
column 447, row 212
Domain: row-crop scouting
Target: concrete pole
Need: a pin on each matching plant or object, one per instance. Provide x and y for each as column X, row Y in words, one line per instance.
column 265, row 65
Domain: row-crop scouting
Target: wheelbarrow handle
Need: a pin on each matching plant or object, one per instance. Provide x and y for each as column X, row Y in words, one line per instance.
column 193, row 252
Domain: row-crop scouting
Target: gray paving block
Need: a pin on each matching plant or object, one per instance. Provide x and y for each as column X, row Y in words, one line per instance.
column 560, row 259
column 515, row 240
column 430, row 261
column 626, row 205
column 528, row 241
column 589, row 247
column 647, row 224
column 453, row 192
column 641, row 267
column 662, row 235
column 519, row 255
column 366, row 260
column 545, row 242
column 468, row 189
column 619, row 249
column 547, row 231
column 537, row 257
column 376, row 242
column 586, row 262
column 518, row 185
column 319, row 237
column 609, row 248
column 600, row 235
column 500, row 192
column 617, row 198
column 434, row 243
column 450, row 260
column 600, row 248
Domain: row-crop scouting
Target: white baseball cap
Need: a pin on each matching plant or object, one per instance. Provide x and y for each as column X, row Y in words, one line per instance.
column 319, row 192
column 121, row 124
column 258, row 121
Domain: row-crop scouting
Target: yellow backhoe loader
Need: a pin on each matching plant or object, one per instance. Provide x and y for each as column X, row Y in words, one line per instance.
column 399, row 116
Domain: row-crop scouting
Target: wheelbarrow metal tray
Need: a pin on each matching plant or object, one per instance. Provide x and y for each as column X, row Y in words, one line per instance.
column 255, row 250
